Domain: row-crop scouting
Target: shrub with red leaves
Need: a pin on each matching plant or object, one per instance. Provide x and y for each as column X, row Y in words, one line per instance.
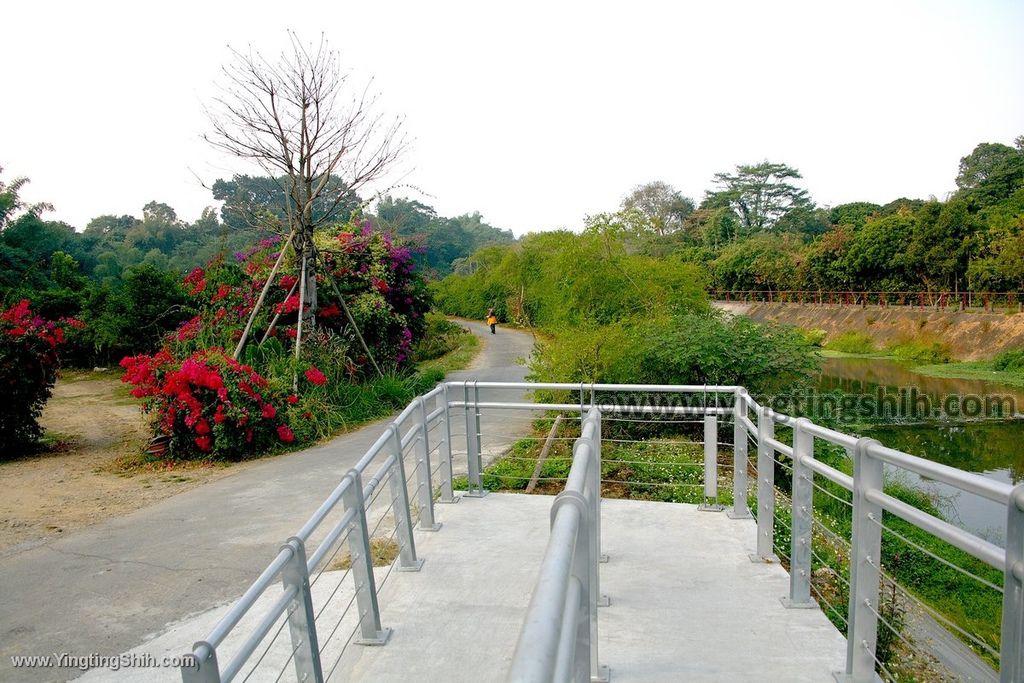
column 208, row 403
column 29, row 359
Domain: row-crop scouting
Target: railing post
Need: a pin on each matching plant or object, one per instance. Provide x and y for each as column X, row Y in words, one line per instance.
column 370, row 630
column 301, row 617
column 710, row 503
column 426, row 484
column 1011, row 650
column 407, row 560
column 200, row 666
column 739, row 458
column 802, row 519
column 593, row 557
column 603, row 600
column 474, row 483
column 445, row 453
column 765, row 488
column 865, row 566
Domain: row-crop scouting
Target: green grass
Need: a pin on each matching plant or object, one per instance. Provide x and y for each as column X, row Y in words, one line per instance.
column 851, row 342
column 457, row 358
column 981, row 370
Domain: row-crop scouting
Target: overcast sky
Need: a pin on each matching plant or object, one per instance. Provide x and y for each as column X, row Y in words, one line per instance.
column 534, row 114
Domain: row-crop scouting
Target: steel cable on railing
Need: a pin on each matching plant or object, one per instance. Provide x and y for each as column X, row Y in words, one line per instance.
column 839, row 613
column 827, row 565
column 939, row 617
column 286, row 615
column 885, row 622
column 829, row 532
column 880, row 663
column 931, row 554
column 355, row 592
column 826, row 491
column 348, row 640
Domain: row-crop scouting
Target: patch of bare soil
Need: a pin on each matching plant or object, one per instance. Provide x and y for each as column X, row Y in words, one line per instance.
column 80, row 479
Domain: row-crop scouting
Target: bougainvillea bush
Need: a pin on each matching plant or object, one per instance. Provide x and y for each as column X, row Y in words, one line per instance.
column 29, row 359
column 213, row 406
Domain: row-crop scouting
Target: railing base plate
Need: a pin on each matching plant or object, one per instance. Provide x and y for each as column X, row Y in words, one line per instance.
column 710, row 507
column 414, row 567
column 732, row 514
column 843, row 677
column 453, row 501
column 771, row 559
column 475, row 494
column 433, row 527
column 604, row 601
column 603, row 559
column 603, row 675
column 789, row 604
column 383, row 636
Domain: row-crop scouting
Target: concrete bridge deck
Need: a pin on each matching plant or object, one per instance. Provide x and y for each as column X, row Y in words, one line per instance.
column 687, row 603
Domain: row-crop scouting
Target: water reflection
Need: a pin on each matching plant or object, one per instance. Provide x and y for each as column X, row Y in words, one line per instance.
column 990, row 447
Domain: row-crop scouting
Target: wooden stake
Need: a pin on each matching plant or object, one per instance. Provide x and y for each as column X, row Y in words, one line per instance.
column 277, row 316
column 263, row 295
column 543, row 454
column 348, row 314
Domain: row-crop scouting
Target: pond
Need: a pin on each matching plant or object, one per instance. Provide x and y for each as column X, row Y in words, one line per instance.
column 970, row 424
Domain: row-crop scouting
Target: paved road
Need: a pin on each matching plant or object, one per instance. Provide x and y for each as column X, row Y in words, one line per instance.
column 109, row 587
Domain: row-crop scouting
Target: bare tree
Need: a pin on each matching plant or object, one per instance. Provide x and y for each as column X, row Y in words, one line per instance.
column 300, row 120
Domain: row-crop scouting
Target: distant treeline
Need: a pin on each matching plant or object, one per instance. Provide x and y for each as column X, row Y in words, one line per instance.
column 758, row 229
column 121, row 274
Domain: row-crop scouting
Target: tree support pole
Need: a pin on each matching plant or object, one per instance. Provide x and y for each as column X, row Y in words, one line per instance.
column 263, row 295
column 348, row 315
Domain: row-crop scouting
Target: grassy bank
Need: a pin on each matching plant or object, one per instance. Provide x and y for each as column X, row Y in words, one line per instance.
column 980, row 370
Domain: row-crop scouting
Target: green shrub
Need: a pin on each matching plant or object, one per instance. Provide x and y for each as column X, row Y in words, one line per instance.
column 851, row 342
column 814, row 337
column 28, row 369
column 696, row 348
column 917, row 351
column 440, row 337
column 1009, row 361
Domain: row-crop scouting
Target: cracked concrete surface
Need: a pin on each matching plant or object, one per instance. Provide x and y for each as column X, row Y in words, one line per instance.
column 110, row 587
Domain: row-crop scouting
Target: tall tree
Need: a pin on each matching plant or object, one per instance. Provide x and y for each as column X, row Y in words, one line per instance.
column 761, row 194
column 664, row 207
column 11, row 204
column 984, row 161
column 298, row 118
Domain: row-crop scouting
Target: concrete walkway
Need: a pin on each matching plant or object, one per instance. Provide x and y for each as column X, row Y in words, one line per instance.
column 687, row 604
column 112, row 586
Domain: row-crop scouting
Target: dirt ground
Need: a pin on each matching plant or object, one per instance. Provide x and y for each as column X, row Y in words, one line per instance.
column 77, row 481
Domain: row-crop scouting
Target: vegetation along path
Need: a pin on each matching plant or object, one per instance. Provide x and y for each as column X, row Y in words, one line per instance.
column 106, row 588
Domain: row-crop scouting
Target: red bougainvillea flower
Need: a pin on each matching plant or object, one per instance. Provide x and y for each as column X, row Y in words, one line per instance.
column 222, row 292
column 269, row 411
column 285, row 433
column 288, row 281
column 202, row 427
column 205, row 443
column 381, row 286
column 196, row 281
column 293, row 399
column 331, row 311
column 316, row 377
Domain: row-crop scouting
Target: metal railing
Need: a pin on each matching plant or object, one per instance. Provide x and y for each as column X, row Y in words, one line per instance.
column 304, row 557
column 938, row 299
column 558, row 640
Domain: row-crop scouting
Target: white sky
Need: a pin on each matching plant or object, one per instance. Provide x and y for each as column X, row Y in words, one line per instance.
column 535, row 114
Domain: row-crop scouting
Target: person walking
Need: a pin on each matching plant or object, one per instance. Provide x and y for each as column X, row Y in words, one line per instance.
column 492, row 319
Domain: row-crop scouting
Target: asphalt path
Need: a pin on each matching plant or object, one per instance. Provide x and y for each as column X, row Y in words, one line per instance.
column 110, row 587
